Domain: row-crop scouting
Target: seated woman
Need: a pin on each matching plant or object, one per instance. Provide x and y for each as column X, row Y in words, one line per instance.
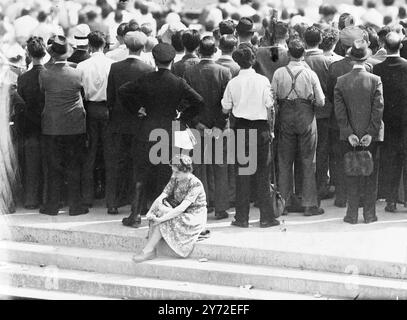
column 181, row 225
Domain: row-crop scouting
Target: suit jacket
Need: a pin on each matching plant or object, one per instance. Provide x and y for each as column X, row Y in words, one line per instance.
column 210, row 79
column 393, row 72
column 162, row 94
column 359, row 104
column 63, row 112
column 264, row 63
column 120, row 73
column 79, row 56
column 233, row 67
column 336, row 70
column 187, row 60
column 403, row 51
column 28, row 88
column 320, row 63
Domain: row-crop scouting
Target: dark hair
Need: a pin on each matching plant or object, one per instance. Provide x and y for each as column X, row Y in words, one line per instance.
column 91, row 15
column 182, row 163
column 146, row 29
column 97, row 39
column 244, row 56
column 235, row 16
column 207, row 46
column 312, row 36
column 143, row 8
column 191, row 39
column 329, row 39
column 358, row 3
column 296, row 48
column 371, row 4
column 256, row 18
column 383, row 33
column 387, row 20
column 226, row 27
column 372, row 37
column 118, row 16
column 402, row 13
column 122, row 29
column 176, row 41
column 209, row 26
column 106, row 10
column 82, row 18
column 228, row 43
column 132, row 26
column 388, row 2
column 42, row 16
column 36, row 47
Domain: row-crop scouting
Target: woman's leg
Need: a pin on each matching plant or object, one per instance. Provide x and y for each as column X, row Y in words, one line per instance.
column 153, row 240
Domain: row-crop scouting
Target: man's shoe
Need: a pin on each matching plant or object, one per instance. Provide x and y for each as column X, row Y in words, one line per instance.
column 31, row 207
column 132, row 222
column 350, row 220
column 240, row 224
column 78, row 212
column 210, row 209
column 391, row 207
column 269, row 224
column 313, row 211
column 144, row 257
column 44, row 210
column 221, row 215
column 371, row 220
column 340, row 203
column 113, row 211
column 298, row 209
column 88, row 205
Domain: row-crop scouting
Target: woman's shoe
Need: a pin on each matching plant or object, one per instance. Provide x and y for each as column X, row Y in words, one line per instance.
column 144, row 257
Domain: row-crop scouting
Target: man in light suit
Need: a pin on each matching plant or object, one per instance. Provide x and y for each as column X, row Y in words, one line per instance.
column 393, row 72
column 359, row 111
column 123, row 125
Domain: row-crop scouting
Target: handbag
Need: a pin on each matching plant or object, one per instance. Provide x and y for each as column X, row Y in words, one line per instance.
column 358, row 163
column 277, row 201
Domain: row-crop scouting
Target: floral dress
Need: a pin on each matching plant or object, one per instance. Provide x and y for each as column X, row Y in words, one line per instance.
column 182, row 232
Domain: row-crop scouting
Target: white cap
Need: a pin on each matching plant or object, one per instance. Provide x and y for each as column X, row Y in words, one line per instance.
column 80, row 33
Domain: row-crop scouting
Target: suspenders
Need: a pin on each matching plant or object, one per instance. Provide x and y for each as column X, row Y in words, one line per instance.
column 294, row 81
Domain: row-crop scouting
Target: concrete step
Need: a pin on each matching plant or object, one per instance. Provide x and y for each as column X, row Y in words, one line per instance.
column 131, row 242
column 14, row 293
column 129, row 287
column 211, row 272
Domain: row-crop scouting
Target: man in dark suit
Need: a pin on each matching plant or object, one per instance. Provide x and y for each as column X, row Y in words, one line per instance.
column 190, row 40
column 359, row 110
column 393, row 72
column 29, row 89
column 210, row 79
column 319, row 63
column 228, row 44
column 336, row 70
column 161, row 94
column 124, row 126
column 64, row 128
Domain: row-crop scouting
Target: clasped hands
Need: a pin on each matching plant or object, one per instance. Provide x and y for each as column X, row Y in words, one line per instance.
column 364, row 142
column 157, row 220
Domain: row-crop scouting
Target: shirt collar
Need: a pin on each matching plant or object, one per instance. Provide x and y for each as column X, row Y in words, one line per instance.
column 395, row 55
column 207, row 59
column 60, row 62
column 96, row 54
column 315, row 50
column 133, row 56
column 247, row 71
column 226, row 57
column 359, row 67
column 296, row 63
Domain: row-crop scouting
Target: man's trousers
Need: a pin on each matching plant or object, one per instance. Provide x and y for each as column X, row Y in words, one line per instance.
column 298, row 133
column 261, row 158
column 362, row 187
column 64, row 154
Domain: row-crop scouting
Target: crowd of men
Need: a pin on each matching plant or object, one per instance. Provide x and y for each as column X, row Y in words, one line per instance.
column 93, row 81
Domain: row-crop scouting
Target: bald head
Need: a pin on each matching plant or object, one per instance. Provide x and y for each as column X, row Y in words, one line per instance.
column 392, row 43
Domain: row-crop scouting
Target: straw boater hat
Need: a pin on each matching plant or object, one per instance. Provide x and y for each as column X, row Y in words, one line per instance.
column 80, row 33
column 60, row 48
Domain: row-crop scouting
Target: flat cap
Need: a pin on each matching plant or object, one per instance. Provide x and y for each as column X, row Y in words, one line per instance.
column 135, row 40
column 164, row 52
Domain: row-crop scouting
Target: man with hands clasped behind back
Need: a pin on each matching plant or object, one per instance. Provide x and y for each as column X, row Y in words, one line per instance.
column 359, row 109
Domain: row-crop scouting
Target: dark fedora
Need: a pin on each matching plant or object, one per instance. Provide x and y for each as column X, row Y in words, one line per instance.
column 245, row 25
column 360, row 51
column 60, row 48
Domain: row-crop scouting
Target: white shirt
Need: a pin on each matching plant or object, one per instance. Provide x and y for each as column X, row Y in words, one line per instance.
column 248, row 95
column 95, row 72
column 118, row 54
